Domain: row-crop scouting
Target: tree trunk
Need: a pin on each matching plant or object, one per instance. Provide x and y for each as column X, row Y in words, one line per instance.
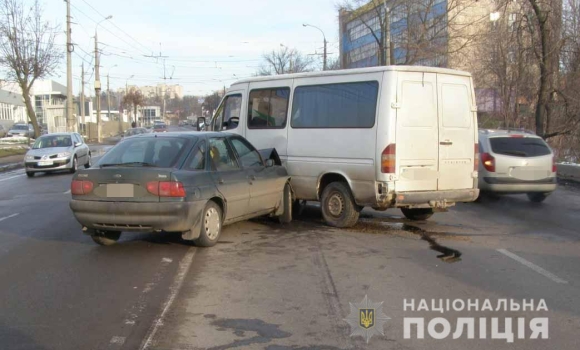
column 135, row 111
column 30, row 111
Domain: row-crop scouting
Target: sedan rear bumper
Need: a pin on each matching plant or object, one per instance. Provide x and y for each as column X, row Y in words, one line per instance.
column 138, row 216
column 511, row 185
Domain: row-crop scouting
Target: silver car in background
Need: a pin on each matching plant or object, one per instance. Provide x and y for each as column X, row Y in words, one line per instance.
column 58, row 151
column 516, row 162
column 23, row 130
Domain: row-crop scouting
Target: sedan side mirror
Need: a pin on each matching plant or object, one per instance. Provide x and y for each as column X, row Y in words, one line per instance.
column 78, row 144
column 269, row 163
column 200, row 123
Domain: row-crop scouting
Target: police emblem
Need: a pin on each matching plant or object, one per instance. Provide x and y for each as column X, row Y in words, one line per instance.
column 366, row 319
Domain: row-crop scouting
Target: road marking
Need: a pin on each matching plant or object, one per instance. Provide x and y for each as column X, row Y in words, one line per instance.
column 8, row 217
column 66, row 192
column 532, row 266
column 182, row 270
column 11, row 177
column 118, row 340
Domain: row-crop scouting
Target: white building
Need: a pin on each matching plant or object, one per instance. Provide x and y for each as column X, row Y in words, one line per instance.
column 12, row 108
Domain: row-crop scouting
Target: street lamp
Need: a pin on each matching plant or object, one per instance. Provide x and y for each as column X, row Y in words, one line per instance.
column 324, row 37
column 98, row 80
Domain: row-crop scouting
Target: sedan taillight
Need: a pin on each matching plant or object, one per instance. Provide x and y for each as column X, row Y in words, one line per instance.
column 81, row 187
column 488, row 162
column 166, row 188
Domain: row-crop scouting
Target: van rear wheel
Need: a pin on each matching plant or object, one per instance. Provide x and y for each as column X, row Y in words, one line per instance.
column 338, row 206
column 417, row 214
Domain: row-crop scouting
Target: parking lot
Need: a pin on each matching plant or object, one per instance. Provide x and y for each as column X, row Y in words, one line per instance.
column 273, row 286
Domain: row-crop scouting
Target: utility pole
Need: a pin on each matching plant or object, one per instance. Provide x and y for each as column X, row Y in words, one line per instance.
column 71, row 124
column 324, row 57
column 83, row 96
column 387, row 39
column 108, row 99
column 97, row 89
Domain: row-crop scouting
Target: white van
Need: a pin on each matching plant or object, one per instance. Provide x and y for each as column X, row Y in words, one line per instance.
column 380, row 137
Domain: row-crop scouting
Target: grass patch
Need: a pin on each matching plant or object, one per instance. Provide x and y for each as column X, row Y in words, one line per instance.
column 7, row 152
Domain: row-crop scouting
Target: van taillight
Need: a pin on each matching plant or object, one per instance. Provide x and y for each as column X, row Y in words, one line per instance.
column 388, row 159
column 476, row 157
column 166, row 188
column 488, row 162
column 81, row 187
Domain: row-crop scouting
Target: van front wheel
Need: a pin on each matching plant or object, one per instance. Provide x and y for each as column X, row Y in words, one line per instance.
column 338, row 206
column 417, row 214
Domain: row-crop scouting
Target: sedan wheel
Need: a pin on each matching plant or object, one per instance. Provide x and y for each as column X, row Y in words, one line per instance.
column 89, row 162
column 211, row 225
column 74, row 167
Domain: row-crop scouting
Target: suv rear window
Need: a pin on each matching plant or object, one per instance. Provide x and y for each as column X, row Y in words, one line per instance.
column 519, row 146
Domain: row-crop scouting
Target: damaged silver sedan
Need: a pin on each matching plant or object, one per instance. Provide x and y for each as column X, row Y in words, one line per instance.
column 189, row 182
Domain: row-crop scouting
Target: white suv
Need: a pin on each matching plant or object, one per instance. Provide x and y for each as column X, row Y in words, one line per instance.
column 515, row 162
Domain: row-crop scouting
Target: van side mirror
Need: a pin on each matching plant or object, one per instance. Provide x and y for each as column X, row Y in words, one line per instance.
column 269, row 163
column 200, row 123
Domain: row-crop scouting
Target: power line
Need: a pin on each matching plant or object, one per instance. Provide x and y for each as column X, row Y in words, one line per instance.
column 127, row 34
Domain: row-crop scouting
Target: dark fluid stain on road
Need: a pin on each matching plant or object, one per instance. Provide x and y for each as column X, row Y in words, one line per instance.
column 447, row 255
column 265, row 332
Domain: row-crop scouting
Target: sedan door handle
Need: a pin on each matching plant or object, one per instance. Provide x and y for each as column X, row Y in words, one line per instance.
column 446, row 143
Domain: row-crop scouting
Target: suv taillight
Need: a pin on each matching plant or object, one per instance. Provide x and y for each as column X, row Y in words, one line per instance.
column 554, row 167
column 388, row 159
column 81, row 187
column 488, row 162
column 476, row 157
column 166, row 188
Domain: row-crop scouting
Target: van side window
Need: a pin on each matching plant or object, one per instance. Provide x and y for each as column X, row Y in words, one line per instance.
column 268, row 108
column 228, row 113
column 345, row 105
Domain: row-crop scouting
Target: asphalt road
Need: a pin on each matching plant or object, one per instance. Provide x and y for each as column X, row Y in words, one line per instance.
column 268, row 286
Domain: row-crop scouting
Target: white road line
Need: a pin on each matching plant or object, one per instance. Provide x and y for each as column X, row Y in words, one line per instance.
column 8, row 217
column 532, row 266
column 66, row 192
column 182, row 270
column 11, row 177
column 117, row 340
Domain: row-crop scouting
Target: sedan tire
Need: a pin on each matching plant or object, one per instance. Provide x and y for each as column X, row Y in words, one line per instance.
column 89, row 161
column 287, row 203
column 211, row 225
column 30, row 173
column 74, row 167
column 106, row 238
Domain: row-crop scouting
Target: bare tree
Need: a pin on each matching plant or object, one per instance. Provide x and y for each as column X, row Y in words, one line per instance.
column 423, row 31
column 27, row 48
column 285, row 61
column 134, row 98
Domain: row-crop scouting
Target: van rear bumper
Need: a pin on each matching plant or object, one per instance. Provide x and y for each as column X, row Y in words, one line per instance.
column 435, row 199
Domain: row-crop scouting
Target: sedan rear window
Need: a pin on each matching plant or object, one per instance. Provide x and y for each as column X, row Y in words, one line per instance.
column 154, row 151
column 519, row 146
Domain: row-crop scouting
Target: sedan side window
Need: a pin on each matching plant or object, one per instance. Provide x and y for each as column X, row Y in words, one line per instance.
column 221, row 156
column 247, row 154
column 197, row 161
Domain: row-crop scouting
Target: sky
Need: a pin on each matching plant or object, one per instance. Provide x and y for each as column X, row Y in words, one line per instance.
column 209, row 44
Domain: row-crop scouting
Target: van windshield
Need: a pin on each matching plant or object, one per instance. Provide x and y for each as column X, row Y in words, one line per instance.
column 519, row 146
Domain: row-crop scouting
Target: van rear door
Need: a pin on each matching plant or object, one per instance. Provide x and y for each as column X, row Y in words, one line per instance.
column 457, row 132
column 417, row 138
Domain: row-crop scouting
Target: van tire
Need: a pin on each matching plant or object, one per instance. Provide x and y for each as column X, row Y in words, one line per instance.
column 338, row 206
column 287, row 203
column 537, row 197
column 417, row 214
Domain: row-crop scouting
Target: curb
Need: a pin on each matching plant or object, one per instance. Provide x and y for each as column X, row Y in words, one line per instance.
column 13, row 166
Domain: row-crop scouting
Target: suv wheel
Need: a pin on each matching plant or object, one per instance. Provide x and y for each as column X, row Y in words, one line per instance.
column 338, row 206
column 417, row 214
column 537, row 197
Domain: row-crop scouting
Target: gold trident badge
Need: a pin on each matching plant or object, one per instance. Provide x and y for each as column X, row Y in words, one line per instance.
column 367, row 318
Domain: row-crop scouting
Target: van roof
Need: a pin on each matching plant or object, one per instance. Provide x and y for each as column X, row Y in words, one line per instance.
column 419, row 69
